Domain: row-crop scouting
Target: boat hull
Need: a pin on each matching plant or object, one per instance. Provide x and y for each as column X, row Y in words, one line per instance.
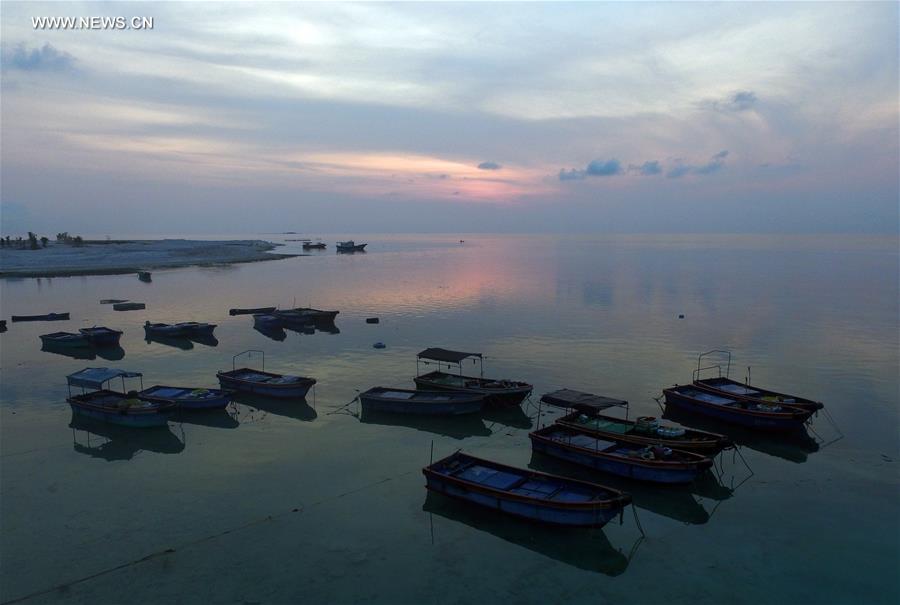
column 791, row 419
column 463, row 404
column 65, row 341
column 621, row 468
column 106, row 338
column 732, row 388
column 279, row 391
column 699, row 442
column 47, row 317
column 437, row 381
column 216, row 399
column 143, row 418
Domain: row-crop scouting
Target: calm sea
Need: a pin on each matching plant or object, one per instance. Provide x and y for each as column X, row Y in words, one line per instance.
column 291, row 502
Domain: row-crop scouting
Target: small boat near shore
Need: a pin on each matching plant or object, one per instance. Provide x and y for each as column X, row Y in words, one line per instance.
column 260, row 382
column 314, row 245
column 129, row 306
column 65, row 339
column 2, row 325
column 763, row 416
column 254, row 311
column 188, row 398
column 45, row 317
column 653, row 463
column 101, row 336
column 186, row 328
column 649, row 433
column 145, row 276
column 305, row 315
column 124, row 408
column 350, row 246
column 732, row 388
column 113, row 301
column 579, row 400
column 524, row 493
column 496, row 391
column 408, row 401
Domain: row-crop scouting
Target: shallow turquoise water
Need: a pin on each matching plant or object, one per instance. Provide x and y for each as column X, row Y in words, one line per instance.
column 276, row 502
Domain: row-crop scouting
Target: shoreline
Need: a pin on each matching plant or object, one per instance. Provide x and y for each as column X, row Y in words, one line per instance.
column 118, row 257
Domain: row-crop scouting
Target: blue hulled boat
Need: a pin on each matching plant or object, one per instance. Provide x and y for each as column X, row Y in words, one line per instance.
column 524, row 493
column 123, row 408
column 260, row 382
column 408, row 401
column 657, row 464
column 65, row 339
column 759, row 415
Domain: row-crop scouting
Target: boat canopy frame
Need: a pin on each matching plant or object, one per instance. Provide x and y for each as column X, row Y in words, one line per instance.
column 249, row 353
column 448, row 356
column 713, row 366
column 95, row 378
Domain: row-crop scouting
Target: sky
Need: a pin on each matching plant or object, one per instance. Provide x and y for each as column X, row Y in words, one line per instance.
column 462, row 117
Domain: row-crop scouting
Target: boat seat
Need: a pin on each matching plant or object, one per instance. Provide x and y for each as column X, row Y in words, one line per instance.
column 490, row 477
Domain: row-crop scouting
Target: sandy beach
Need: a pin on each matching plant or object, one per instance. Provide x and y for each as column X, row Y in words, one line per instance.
column 104, row 258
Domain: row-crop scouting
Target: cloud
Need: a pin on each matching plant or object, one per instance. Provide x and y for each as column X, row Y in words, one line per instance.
column 648, row 168
column 571, row 175
column 601, row 168
column 45, row 58
column 489, row 166
column 715, row 164
column 741, row 100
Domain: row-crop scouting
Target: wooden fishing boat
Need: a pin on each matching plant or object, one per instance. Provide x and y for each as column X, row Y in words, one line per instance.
column 110, row 406
column 657, row 464
column 2, row 325
column 677, row 437
column 727, row 387
column 194, row 328
column 65, row 339
column 144, row 276
column 260, row 382
column 524, row 493
column 496, row 391
column 46, row 317
column 112, row 301
column 764, row 416
column 313, row 246
column 351, row 246
column 188, row 398
column 129, row 306
column 579, row 400
column 407, row 401
column 101, row 336
column 260, row 310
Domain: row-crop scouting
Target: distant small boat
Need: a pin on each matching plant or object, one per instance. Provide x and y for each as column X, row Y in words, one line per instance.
column 144, row 276
column 302, row 315
column 732, row 388
column 608, row 427
column 250, row 311
column 129, row 306
column 187, row 397
column 657, row 464
column 765, row 416
column 163, row 329
column 47, row 317
column 110, row 406
column 314, row 246
column 350, row 246
column 112, row 301
column 260, row 382
column 407, row 401
column 101, row 336
column 524, row 493
column 65, row 339
column 497, row 391
column 2, row 325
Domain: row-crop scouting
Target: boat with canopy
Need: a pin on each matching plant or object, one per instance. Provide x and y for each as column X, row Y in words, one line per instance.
column 496, row 391
column 102, row 403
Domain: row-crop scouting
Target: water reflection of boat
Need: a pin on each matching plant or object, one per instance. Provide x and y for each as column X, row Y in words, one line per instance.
column 178, row 342
column 223, row 418
column 111, row 442
column 589, row 550
column 673, row 501
column 110, row 353
column 455, row 427
column 273, row 332
column 511, row 416
column 297, row 409
column 793, row 446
